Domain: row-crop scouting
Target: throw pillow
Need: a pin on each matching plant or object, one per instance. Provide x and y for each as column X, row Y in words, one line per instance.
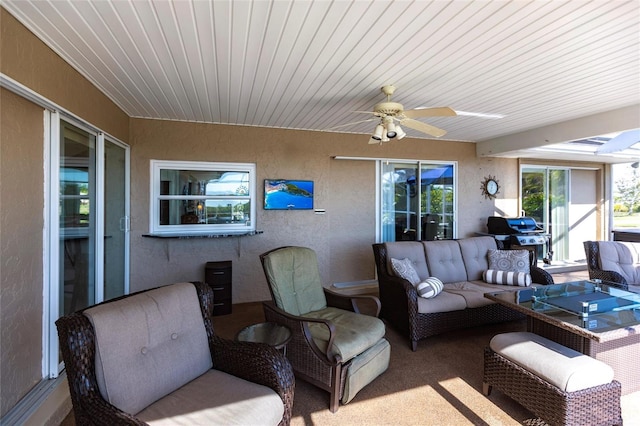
column 493, row 276
column 429, row 288
column 509, row 260
column 404, row 269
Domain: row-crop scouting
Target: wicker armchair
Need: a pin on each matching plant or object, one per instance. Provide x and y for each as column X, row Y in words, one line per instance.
column 253, row 362
column 592, row 250
column 333, row 346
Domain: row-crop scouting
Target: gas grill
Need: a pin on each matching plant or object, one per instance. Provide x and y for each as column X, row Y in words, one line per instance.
column 519, row 232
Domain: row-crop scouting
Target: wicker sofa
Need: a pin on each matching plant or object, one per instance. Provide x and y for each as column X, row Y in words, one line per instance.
column 460, row 265
column 617, row 262
column 152, row 358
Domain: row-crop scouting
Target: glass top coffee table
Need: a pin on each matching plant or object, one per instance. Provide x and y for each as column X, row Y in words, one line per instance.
column 272, row 334
column 590, row 308
column 591, row 317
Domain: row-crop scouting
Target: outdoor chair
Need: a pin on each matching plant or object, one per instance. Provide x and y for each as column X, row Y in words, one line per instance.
column 617, row 263
column 152, row 358
column 333, row 345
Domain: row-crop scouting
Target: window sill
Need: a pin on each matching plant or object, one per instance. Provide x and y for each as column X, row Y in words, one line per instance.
column 203, row 235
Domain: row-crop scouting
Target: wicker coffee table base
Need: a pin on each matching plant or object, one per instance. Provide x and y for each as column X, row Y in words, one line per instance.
column 599, row 405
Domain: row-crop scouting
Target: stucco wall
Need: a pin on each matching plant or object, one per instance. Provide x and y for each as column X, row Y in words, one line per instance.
column 21, row 223
column 342, row 237
column 31, row 63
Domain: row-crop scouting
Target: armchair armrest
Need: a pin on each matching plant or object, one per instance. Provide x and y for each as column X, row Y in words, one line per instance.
column 268, row 366
column 300, row 333
column 350, row 303
column 540, row 276
column 398, row 296
column 612, row 277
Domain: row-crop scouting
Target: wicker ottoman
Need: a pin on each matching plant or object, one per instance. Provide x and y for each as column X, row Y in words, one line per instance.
column 557, row 384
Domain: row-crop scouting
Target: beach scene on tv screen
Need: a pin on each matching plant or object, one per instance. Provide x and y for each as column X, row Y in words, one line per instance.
column 282, row 194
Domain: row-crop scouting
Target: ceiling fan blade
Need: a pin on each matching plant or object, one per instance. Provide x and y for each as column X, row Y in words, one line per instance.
column 349, row 124
column 430, row 112
column 623, row 141
column 423, row 127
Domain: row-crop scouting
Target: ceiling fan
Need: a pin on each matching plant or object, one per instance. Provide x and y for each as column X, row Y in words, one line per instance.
column 392, row 116
column 620, row 142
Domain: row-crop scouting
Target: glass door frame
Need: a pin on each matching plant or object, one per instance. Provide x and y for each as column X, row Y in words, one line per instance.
column 52, row 365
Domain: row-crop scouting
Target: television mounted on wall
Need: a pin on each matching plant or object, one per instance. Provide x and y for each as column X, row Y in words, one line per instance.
column 285, row 194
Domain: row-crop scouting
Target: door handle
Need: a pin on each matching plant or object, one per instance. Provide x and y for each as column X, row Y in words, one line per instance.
column 124, row 224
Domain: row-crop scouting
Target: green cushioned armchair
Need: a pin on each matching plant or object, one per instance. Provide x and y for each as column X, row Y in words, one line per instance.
column 333, row 345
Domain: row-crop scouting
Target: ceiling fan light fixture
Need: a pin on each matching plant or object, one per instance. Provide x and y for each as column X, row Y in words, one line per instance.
column 378, row 133
column 391, row 128
column 400, row 133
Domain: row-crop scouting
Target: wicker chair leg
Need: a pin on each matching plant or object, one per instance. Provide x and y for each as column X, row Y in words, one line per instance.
column 414, row 345
column 334, row 397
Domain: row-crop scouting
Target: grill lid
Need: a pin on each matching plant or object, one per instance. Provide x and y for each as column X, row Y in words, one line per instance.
column 514, row 225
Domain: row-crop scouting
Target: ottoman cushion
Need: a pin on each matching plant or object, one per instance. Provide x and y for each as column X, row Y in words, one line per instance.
column 563, row 367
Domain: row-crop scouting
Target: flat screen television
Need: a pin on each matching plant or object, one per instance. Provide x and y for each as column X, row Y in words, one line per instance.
column 285, row 194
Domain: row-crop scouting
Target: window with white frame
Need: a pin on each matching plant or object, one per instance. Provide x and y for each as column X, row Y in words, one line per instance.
column 194, row 197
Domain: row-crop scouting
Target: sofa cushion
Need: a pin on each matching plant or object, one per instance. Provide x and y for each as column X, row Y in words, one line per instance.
column 216, row 398
column 445, row 260
column 621, row 257
column 471, row 292
column 411, row 250
column 403, row 268
column 296, row 284
column 509, row 260
column 474, row 253
column 149, row 345
column 493, row 276
column 429, row 288
column 354, row 333
column 445, row 302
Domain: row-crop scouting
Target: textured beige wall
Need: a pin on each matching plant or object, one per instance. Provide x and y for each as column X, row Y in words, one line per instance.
column 27, row 60
column 342, row 237
column 21, row 224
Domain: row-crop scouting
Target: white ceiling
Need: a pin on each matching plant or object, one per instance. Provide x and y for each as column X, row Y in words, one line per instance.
column 310, row 64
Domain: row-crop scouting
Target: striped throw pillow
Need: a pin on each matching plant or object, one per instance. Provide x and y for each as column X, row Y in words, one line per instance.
column 495, row 276
column 429, row 288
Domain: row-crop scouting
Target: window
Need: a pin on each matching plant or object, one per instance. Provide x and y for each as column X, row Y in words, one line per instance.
column 202, row 198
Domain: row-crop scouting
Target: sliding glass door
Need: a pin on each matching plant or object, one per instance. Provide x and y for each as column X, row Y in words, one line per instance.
column 89, row 199
column 417, row 201
column 545, row 198
column 116, row 221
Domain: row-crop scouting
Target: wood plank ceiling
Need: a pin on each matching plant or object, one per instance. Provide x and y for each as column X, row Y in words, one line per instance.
column 311, row 64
